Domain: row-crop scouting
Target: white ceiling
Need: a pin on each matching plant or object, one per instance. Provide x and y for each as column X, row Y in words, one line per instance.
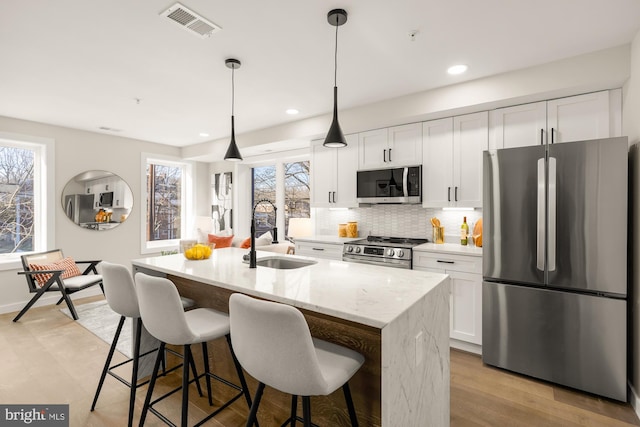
column 83, row 63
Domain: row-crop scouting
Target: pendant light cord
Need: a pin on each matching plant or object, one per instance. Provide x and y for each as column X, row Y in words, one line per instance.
column 233, row 85
column 335, row 61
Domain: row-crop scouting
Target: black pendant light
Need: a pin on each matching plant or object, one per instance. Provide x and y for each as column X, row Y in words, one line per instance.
column 233, row 154
column 335, row 137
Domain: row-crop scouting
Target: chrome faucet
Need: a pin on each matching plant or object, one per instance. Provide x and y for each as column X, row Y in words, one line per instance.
column 274, row 230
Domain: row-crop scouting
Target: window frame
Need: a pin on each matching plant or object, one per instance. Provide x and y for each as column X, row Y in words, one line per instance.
column 186, row 196
column 43, row 190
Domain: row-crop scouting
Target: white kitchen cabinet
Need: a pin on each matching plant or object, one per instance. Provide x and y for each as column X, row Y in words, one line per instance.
column 575, row 118
column 465, row 311
column 452, row 160
column 122, row 196
column 324, row 250
column 333, row 174
column 396, row 146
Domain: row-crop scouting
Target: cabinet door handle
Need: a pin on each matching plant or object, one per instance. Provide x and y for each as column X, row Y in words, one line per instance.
column 456, row 194
column 389, row 154
column 318, row 249
column 541, row 136
column 445, row 262
column 448, row 194
column 384, row 156
column 334, row 197
column 553, row 131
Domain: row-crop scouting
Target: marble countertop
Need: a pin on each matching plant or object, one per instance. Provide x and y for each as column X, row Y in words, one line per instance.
column 449, row 248
column 327, row 239
column 366, row 294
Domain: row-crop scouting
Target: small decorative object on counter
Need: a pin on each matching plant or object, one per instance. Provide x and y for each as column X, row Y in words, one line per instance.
column 464, row 232
column 438, row 231
column 100, row 216
column 196, row 251
column 352, row 229
column 342, row 230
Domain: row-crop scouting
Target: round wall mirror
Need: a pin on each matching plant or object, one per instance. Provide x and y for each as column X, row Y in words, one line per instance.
column 97, row 200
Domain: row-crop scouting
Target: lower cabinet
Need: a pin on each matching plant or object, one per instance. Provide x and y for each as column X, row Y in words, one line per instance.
column 465, row 314
column 320, row 250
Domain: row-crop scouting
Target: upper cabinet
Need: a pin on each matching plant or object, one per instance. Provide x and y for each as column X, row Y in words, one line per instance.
column 396, row 146
column 452, row 160
column 333, row 174
column 589, row 116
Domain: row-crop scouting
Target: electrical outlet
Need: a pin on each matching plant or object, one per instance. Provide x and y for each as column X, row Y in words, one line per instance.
column 419, row 348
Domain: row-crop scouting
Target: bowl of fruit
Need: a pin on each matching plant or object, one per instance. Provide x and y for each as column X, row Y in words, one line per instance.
column 197, row 251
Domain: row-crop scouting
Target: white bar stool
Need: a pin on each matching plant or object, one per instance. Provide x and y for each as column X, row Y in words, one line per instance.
column 274, row 345
column 120, row 293
column 164, row 318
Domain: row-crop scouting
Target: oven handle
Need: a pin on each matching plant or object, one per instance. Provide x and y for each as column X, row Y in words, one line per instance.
column 394, row 263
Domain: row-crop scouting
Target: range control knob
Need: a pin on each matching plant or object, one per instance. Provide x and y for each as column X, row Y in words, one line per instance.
column 349, row 248
column 357, row 249
column 391, row 252
column 400, row 253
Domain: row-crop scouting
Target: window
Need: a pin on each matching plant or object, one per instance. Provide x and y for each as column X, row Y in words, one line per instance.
column 296, row 192
column 293, row 178
column 25, row 180
column 167, row 194
column 264, row 188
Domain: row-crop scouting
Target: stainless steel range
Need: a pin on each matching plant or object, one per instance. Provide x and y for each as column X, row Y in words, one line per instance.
column 389, row 251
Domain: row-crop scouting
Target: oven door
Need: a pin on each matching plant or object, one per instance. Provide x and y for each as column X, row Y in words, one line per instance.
column 386, row 262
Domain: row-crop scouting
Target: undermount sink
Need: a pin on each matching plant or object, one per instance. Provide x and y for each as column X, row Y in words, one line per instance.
column 283, row 263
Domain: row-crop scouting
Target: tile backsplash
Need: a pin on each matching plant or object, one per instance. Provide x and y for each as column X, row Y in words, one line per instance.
column 395, row 221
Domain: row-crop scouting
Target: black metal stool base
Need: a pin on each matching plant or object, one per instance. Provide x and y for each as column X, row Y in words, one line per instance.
column 242, row 390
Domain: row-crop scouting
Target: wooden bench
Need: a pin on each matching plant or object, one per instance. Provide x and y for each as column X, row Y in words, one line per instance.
column 46, row 272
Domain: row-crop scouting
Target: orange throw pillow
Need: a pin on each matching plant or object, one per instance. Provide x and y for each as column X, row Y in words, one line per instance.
column 221, row 241
column 67, row 264
column 246, row 243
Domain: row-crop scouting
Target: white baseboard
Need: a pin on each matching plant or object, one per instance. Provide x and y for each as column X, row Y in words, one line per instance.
column 49, row 299
column 634, row 399
column 465, row 346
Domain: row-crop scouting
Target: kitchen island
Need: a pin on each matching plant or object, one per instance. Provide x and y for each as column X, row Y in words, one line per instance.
column 398, row 319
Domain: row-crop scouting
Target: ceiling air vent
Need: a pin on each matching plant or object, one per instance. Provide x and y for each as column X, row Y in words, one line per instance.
column 191, row 21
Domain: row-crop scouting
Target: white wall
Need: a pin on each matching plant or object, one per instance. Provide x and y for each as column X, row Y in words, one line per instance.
column 77, row 151
column 631, row 127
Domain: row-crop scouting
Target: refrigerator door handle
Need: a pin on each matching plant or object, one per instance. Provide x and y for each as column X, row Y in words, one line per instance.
column 552, row 214
column 540, row 231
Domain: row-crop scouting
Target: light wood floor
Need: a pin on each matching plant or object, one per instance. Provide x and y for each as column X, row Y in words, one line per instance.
column 47, row 358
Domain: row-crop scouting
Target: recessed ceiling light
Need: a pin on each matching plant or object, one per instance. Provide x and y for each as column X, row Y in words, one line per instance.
column 292, row 111
column 457, row 69
column 204, row 134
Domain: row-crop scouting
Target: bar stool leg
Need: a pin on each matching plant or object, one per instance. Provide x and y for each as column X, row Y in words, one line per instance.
column 352, row 410
column 294, row 410
column 108, row 362
column 134, row 374
column 243, row 381
column 185, row 385
column 254, row 407
column 152, row 383
column 205, row 356
column 306, row 410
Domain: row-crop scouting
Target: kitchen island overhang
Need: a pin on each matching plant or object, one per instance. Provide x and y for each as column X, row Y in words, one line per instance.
column 398, row 319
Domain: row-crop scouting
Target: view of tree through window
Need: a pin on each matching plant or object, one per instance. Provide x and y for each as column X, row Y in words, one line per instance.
column 164, row 193
column 296, row 190
column 16, row 199
column 296, row 194
column 264, row 187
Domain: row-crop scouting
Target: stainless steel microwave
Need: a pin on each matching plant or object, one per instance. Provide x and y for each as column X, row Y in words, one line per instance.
column 398, row 185
column 106, row 199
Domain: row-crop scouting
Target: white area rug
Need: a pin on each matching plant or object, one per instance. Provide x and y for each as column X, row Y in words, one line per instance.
column 98, row 318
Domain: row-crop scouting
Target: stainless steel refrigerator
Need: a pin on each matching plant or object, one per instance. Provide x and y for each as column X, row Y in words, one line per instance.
column 79, row 208
column 554, row 293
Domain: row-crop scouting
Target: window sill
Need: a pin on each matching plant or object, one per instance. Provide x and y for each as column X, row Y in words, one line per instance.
column 10, row 262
